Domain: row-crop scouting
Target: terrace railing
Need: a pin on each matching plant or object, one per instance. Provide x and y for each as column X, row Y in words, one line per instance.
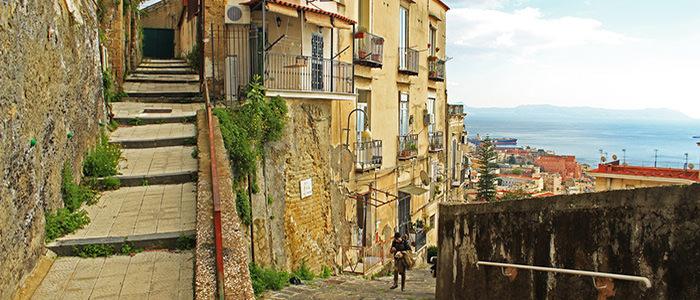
column 307, row 73
column 408, row 61
column 368, row 155
column 369, row 49
column 436, row 69
column 436, row 141
column 408, row 146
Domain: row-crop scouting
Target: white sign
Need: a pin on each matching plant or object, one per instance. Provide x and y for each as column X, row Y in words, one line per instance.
column 306, row 188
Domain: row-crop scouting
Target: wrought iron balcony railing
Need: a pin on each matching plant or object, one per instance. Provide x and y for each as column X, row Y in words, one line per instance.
column 436, row 141
column 408, row 146
column 307, row 73
column 436, row 69
column 455, row 109
column 369, row 49
column 408, row 61
column 368, row 155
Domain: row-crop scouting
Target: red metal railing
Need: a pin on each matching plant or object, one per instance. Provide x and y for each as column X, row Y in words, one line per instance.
column 215, row 196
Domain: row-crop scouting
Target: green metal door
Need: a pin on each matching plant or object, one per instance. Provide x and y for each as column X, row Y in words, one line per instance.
column 158, row 43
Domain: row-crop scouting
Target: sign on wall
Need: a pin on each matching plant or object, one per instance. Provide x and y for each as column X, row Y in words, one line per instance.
column 306, row 188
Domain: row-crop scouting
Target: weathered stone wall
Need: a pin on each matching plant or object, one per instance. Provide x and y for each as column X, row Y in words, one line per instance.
column 49, row 86
column 651, row 232
column 289, row 229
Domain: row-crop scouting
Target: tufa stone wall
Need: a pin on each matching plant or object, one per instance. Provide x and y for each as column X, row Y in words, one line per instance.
column 289, row 229
column 651, row 232
column 50, row 84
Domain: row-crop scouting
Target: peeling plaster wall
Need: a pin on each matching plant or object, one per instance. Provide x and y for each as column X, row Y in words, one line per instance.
column 653, row 232
column 50, row 84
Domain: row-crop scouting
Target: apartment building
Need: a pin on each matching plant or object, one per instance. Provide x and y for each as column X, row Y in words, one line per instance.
column 366, row 148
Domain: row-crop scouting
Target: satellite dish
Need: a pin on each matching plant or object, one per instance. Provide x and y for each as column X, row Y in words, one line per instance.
column 691, row 166
column 603, row 159
column 424, row 178
column 614, row 157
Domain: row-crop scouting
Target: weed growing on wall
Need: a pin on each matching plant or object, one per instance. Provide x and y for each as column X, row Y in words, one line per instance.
column 63, row 222
column 194, row 57
column 303, row 272
column 326, row 272
column 73, row 194
column 103, row 160
column 243, row 207
column 109, row 87
column 264, row 279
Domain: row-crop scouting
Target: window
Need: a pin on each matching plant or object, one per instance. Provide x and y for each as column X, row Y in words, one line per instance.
column 403, row 114
column 364, row 15
column 431, row 112
column 454, row 160
column 432, row 221
column 363, row 103
column 432, row 40
column 403, row 35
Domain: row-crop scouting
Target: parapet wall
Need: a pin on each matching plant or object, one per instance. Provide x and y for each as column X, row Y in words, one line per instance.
column 653, row 232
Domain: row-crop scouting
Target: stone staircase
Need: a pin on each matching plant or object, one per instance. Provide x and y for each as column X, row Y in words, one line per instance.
column 155, row 204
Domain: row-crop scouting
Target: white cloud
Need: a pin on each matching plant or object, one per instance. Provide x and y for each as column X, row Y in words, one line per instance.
column 524, row 31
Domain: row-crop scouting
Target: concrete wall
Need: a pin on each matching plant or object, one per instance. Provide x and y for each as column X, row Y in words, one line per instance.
column 50, row 84
column 610, row 184
column 651, row 232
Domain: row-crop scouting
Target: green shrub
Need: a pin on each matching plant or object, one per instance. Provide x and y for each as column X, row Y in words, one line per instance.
column 129, row 249
column 185, row 242
column 194, row 57
column 96, row 250
column 74, row 195
column 110, row 183
column 110, row 89
column 303, row 272
column 432, row 251
column 102, row 161
column 243, row 207
column 63, row 222
column 264, row 279
column 326, row 272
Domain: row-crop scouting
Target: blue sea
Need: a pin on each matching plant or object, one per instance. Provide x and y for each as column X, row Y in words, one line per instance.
column 584, row 139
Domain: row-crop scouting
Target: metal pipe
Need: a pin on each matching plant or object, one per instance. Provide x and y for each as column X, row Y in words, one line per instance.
column 646, row 281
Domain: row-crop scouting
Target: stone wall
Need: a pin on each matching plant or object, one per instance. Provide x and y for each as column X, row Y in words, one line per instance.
column 50, row 85
column 651, row 232
column 289, row 229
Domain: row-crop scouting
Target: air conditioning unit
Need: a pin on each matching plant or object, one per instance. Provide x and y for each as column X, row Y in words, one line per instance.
column 237, row 14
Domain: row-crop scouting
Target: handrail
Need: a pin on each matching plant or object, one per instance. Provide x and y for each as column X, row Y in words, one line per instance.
column 646, row 281
column 215, row 197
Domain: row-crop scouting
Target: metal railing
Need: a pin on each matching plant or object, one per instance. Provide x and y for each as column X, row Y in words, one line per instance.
column 436, row 69
column 368, row 155
column 421, row 239
column 644, row 280
column 408, row 60
column 455, row 109
column 360, row 260
column 436, row 141
column 369, row 49
column 307, row 73
column 408, row 146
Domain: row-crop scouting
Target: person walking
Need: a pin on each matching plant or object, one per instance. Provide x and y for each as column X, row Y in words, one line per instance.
column 400, row 249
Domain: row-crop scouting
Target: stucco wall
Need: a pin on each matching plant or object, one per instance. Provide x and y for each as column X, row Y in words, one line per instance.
column 651, row 232
column 50, row 84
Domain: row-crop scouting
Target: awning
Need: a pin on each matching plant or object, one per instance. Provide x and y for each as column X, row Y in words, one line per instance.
column 413, row 190
column 340, row 24
column 318, row 19
column 282, row 9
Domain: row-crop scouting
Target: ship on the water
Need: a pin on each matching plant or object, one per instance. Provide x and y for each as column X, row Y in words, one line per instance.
column 496, row 141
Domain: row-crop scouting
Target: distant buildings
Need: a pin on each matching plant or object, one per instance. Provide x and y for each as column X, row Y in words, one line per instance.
column 564, row 165
column 613, row 176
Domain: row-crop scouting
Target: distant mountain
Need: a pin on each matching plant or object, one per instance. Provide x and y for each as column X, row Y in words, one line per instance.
column 577, row 114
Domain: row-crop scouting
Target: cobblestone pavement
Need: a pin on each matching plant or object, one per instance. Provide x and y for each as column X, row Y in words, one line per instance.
column 148, row 275
column 420, row 284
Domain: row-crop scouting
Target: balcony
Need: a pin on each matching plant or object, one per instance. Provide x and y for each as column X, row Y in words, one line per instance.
column 408, row 146
column 408, row 61
column 454, row 110
column 370, row 49
column 436, row 69
column 435, row 141
column 368, row 155
column 306, row 73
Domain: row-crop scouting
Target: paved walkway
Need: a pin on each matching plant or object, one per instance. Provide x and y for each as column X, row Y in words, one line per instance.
column 152, row 214
column 147, row 275
column 419, row 285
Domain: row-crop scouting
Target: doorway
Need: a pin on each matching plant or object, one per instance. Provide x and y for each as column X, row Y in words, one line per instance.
column 159, row 43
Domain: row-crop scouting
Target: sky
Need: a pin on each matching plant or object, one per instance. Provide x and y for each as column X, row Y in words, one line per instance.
column 618, row 54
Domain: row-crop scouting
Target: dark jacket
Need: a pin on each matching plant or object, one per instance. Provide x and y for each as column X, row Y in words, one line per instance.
column 400, row 246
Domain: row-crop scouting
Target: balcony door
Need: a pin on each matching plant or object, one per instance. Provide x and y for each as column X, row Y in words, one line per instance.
column 403, row 37
column 431, row 113
column 404, row 220
column 403, row 114
column 317, row 61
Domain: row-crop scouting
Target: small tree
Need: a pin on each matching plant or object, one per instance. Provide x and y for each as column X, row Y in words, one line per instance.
column 486, row 154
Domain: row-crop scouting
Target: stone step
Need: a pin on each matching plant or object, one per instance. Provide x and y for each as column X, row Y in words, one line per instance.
column 173, row 64
column 163, row 78
column 153, row 136
column 161, row 89
column 146, row 275
column 138, row 113
column 165, row 61
column 197, row 99
column 152, row 70
column 163, row 165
